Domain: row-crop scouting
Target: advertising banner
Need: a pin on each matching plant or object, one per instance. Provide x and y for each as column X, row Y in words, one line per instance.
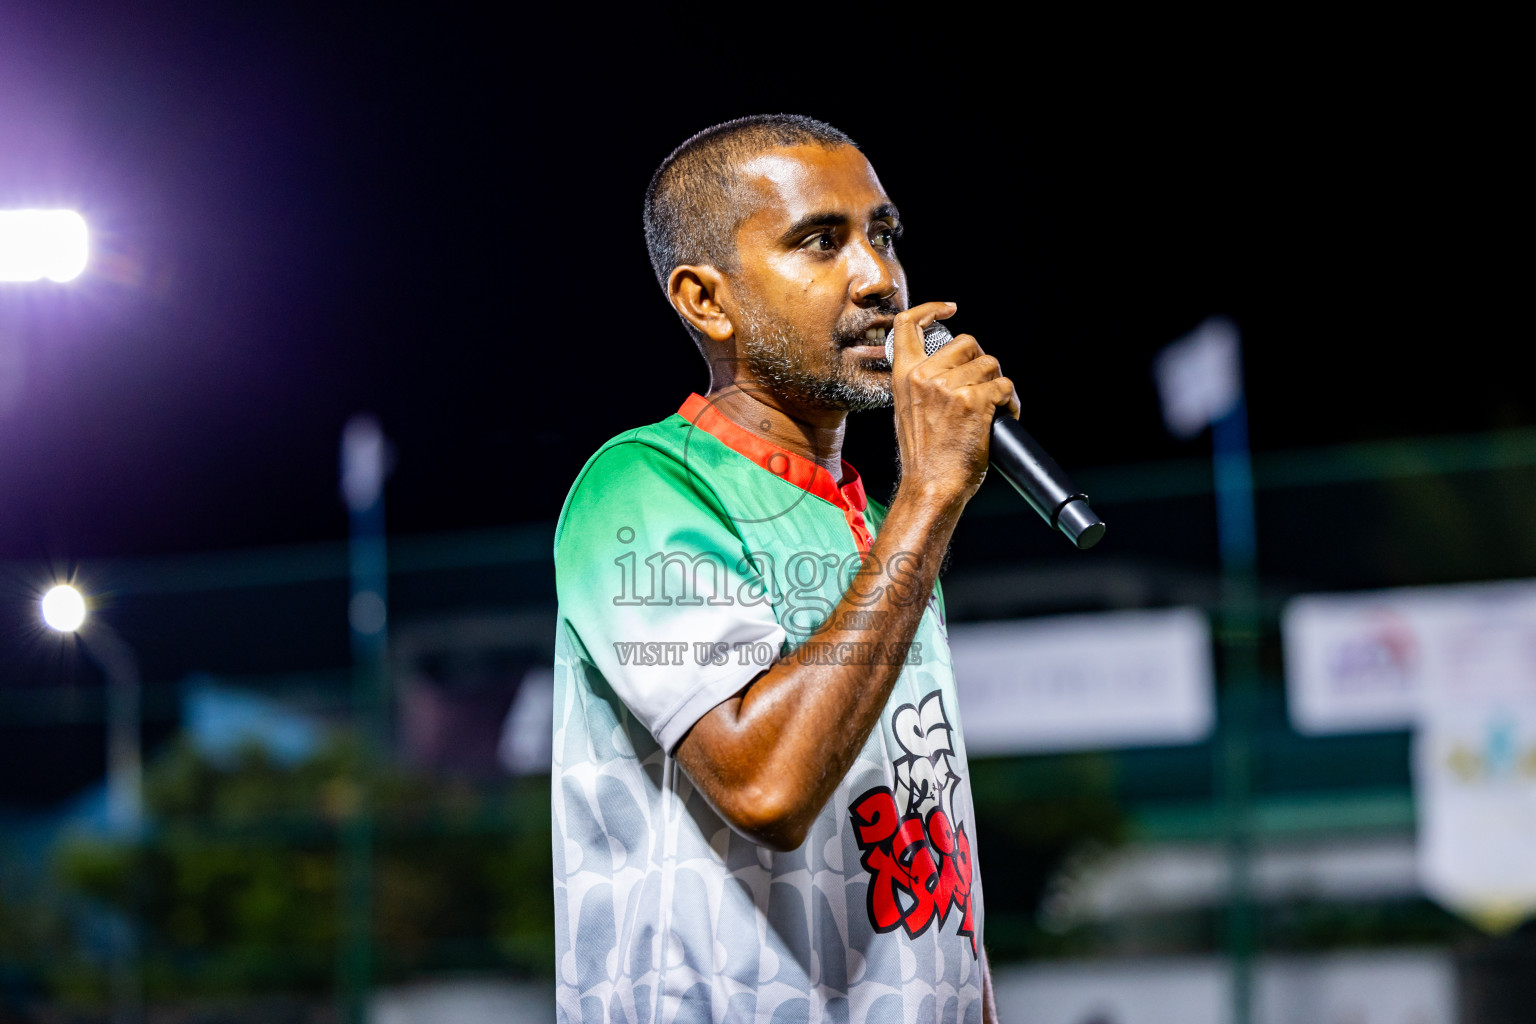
column 1079, row 682
column 1474, row 781
column 1372, row 661
column 1456, row 664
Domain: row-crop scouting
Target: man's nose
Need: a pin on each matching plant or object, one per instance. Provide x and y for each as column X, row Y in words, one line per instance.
column 873, row 279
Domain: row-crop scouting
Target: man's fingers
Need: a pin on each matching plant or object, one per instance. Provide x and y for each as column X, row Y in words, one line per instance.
column 962, row 364
column 957, row 353
column 908, row 344
column 990, row 393
column 1002, row 393
column 961, row 372
column 976, row 368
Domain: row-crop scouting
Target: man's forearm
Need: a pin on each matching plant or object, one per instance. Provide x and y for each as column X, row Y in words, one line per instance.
column 770, row 758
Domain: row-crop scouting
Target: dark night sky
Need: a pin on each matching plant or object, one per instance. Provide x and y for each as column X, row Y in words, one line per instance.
column 305, row 213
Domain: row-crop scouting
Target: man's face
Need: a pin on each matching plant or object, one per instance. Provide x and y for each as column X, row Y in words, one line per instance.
column 819, row 282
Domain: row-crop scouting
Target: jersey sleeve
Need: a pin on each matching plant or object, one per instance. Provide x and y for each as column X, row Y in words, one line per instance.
column 655, row 586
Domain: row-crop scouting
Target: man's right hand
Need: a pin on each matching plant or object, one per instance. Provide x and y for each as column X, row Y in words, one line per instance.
column 944, row 408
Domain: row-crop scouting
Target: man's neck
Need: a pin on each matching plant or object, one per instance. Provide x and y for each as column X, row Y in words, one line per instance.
column 815, row 434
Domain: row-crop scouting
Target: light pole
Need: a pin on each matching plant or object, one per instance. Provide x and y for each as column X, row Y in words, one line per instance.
column 65, row 610
column 365, row 457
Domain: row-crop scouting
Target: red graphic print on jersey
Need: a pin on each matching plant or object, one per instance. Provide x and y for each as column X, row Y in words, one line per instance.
column 919, row 857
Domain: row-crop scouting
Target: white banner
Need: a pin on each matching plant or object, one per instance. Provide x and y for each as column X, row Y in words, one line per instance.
column 1372, row 661
column 1458, row 665
column 1474, row 781
column 1080, row 682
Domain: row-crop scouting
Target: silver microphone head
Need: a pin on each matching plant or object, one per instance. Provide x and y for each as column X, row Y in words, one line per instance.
column 935, row 337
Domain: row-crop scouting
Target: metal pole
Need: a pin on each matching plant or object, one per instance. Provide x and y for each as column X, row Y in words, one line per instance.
column 125, row 801
column 364, row 454
column 1239, row 641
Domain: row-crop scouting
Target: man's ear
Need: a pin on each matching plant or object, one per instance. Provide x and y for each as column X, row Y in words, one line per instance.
column 696, row 293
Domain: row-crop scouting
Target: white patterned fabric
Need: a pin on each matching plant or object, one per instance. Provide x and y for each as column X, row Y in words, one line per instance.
column 664, row 914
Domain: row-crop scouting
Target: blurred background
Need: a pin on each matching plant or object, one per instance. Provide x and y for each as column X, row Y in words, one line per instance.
column 1267, row 753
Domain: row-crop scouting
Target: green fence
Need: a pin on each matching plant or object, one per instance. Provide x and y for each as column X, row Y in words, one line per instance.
column 236, row 893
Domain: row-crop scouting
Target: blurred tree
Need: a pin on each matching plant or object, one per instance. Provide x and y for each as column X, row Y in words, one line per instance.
column 235, row 888
column 33, row 933
column 1032, row 814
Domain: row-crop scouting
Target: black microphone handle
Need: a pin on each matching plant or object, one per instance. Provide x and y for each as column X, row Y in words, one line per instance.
column 1020, row 460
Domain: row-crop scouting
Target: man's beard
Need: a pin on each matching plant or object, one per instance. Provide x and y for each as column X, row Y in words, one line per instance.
column 813, row 375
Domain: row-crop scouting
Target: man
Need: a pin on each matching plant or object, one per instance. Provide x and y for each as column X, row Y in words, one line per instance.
column 760, row 795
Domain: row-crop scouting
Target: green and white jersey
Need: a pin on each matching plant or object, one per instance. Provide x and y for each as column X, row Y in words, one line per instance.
column 691, row 554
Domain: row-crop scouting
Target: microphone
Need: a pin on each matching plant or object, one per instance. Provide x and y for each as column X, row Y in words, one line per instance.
column 1020, row 460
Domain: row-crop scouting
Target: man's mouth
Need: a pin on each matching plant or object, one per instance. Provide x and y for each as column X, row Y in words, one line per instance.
column 873, row 338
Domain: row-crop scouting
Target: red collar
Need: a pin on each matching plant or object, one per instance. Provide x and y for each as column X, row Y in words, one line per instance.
column 797, row 469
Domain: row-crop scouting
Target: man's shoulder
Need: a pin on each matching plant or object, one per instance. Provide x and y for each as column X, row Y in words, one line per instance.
column 660, row 466
column 672, row 453
column 635, row 454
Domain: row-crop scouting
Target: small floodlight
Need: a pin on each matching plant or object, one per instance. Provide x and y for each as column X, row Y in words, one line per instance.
column 35, row 244
column 64, row 608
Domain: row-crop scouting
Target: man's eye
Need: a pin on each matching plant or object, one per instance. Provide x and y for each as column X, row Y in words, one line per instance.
column 885, row 238
column 821, row 242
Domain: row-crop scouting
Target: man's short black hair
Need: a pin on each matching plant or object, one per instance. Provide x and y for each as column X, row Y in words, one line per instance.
column 692, row 206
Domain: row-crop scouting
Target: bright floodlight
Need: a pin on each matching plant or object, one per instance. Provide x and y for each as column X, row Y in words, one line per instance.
column 35, row 244
column 64, row 608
